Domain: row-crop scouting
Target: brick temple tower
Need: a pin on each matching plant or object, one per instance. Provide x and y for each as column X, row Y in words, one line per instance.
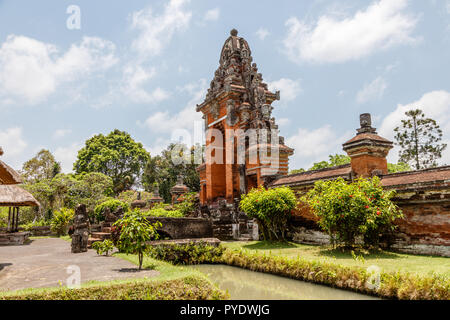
column 243, row 149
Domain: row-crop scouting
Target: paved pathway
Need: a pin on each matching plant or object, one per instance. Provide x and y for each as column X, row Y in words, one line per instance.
column 44, row 263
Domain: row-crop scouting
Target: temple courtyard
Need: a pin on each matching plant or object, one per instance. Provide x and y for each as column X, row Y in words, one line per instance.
column 44, row 262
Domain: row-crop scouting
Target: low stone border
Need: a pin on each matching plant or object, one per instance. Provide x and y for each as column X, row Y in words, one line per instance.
column 14, row 239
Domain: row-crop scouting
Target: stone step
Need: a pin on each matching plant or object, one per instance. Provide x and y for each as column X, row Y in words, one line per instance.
column 101, row 235
column 91, row 241
column 106, row 229
column 245, row 237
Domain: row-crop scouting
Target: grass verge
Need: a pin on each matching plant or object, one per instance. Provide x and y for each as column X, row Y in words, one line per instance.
column 398, row 285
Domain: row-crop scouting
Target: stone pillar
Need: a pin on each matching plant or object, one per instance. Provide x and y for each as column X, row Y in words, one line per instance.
column 367, row 150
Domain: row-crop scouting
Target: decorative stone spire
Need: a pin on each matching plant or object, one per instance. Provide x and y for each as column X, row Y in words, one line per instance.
column 365, row 121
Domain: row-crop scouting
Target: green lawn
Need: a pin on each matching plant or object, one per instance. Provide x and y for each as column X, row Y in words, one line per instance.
column 387, row 261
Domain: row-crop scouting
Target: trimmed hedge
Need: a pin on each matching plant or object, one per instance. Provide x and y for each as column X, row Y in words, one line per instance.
column 187, row 254
column 188, row 288
column 392, row 285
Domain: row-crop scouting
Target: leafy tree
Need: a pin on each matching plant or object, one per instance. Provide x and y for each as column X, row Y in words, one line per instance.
column 334, row 160
column 418, row 138
column 399, row 167
column 135, row 233
column 297, row 171
column 40, row 167
column 161, row 170
column 348, row 210
column 271, row 208
column 116, row 155
column 112, row 204
column 68, row 190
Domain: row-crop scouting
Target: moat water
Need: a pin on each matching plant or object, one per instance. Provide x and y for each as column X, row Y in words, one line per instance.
column 244, row 284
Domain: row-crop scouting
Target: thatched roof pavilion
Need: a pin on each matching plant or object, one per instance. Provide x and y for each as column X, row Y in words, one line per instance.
column 8, row 175
column 13, row 196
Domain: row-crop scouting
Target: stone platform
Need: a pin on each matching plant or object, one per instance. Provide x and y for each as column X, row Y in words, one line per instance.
column 14, row 239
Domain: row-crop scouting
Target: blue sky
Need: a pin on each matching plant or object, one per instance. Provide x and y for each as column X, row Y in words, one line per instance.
column 142, row 66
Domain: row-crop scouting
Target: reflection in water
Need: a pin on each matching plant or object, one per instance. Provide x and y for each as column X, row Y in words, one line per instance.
column 249, row 285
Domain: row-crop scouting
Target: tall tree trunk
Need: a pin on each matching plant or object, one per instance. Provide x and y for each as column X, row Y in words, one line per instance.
column 416, row 143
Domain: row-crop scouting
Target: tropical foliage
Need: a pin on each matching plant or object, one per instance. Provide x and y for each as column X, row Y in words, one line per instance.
column 350, row 210
column 419, row 140
column 135, row 233
column 271, row 208
column 116, row 155
column 61, row 220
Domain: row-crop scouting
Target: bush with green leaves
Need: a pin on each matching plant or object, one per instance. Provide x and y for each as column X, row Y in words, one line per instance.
column 135, row 233
column 112, row 204
column 188, row 203
column 187, row 254
column 61, row 220
column 164, row 210
column 350, row 210
column 103, row 247
column 271, row 208
column 39, row 223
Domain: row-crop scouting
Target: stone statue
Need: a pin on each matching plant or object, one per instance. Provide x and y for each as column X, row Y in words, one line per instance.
column 80, row 234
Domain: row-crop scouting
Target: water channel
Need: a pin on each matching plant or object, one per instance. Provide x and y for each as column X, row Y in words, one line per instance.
column 244, row 284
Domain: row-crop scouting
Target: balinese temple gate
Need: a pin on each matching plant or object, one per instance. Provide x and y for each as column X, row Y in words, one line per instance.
column 243, row 149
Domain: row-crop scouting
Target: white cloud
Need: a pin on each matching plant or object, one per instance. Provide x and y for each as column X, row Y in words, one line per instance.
column 381, row 25
column 212, row 15
column 61, row 133
column 289, row 88
column 67, row 156
column 13, row 145
column 372, row 91
column 166, row 123
column 156, row 31
column 31, row 70
column 134, row 78
column 435, row 105
column 313, row 146
column 262, row 33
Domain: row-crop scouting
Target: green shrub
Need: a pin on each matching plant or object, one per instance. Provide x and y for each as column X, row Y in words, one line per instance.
column 187, row 288
column 188, row 203
column 103, row 247
column 163, row 210
column 39, row 223
column 191, row 253
column 61, row 220
column 349, row 210
column 271, row 208
column 135, row 232
column 112, row 204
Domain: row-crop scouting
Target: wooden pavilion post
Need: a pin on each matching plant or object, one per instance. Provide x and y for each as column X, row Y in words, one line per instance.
column 9, row 220
column 17, row 219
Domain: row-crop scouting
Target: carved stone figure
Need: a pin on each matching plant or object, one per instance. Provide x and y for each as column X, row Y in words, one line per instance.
column 80, row 234
column 232, row 117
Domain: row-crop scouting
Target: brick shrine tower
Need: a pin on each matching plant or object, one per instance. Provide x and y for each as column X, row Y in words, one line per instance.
column 239, row 101
column 367, row 150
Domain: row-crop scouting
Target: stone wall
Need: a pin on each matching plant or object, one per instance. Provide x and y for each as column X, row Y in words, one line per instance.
column 184, row 228
column 425, row 228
